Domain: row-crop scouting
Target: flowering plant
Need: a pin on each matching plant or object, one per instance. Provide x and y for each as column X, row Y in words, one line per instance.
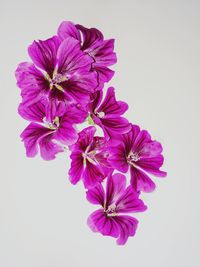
column 62, row 88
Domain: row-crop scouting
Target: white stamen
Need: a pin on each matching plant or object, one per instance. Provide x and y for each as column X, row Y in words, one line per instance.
column 100, row 114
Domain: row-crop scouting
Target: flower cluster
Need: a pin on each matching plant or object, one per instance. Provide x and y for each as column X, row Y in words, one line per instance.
column 62, row 88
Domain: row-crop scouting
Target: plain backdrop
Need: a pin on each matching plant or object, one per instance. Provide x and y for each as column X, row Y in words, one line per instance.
column 42, row 216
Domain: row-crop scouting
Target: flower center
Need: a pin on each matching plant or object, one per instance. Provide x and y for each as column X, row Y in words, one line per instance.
column 56, row 80
column 133, row 157
column 53, row 125
column 111, row 210
column 90, row 156
column 100, row 114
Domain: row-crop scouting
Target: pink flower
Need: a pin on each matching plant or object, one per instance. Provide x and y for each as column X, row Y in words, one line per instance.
column 142, row 155
column 89, row 159
column 65, row 72
column 92, row 42
column 116, row 201
column 52, row 127
column 107, row 113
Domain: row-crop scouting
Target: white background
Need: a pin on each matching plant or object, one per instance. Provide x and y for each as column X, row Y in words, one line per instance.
column 42, row 216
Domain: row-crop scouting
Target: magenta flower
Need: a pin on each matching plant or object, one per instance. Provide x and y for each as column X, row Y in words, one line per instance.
column 62, row 87
column 52, row 127
column 107, row 113
column 93, row 43
column 118, row 200
column 89, row 159
column 65, row 73
column 143, row 155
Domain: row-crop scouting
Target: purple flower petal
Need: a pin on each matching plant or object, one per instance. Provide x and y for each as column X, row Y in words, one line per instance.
column 140, row 181
column 110, row 106
column 90, row 36
column 117, row 125
column 151, row 149
column 120, row 227
column 127, row 227
column 66, row 133
column 141, row 139
column 99, row 222
column 104, row 74
column 31, row 137
column 102, row 52
column 85, row 138
column 68, row 29
column 35, row 112
column 96, row 195
column 115, row 186
column 48, row 149
column 130, row 137
column 92, row 175
column 117, row 158
column 75, row 114
column 32, row 83
column 95, row 100
column 129, row 202
column 54, row 109
column 79, row 87
column 76, row 169
column 152, row 165
column 71, row 59
column 43, row 54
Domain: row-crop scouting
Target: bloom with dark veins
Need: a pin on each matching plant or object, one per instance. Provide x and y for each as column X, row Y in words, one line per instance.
column 92, row 43
column 142, row 155
column 107, row 113
column 61, row 71
column 52, row 127
column 117, row 201
column 89, row 158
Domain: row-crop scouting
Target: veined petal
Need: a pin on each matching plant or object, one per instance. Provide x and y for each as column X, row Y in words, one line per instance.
column 85, row 138
column 92, row 175
column 35, row 112
column 115, row 186
column 68, row 29
column 90, row 36
column 130, row 137
column 32, row 83
column 141, row 139
column 102, row 52
column 152, row 165
column 95, row 100
column 151, row 149
column 110, row 106
column 120, row 227
column 96, row 195
column 117, row 158
column 140, row 181
column 71, row 59
column 66, row 133
column 127, row 226
column 48, row 149
column 129, row 201
column 99, row 222
column 104, row 73
column 54, row 109
column 76, row 170
column 117, row 125
column 43, row 53
column 79, row 87
column 75, row 115
column 31, row 136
